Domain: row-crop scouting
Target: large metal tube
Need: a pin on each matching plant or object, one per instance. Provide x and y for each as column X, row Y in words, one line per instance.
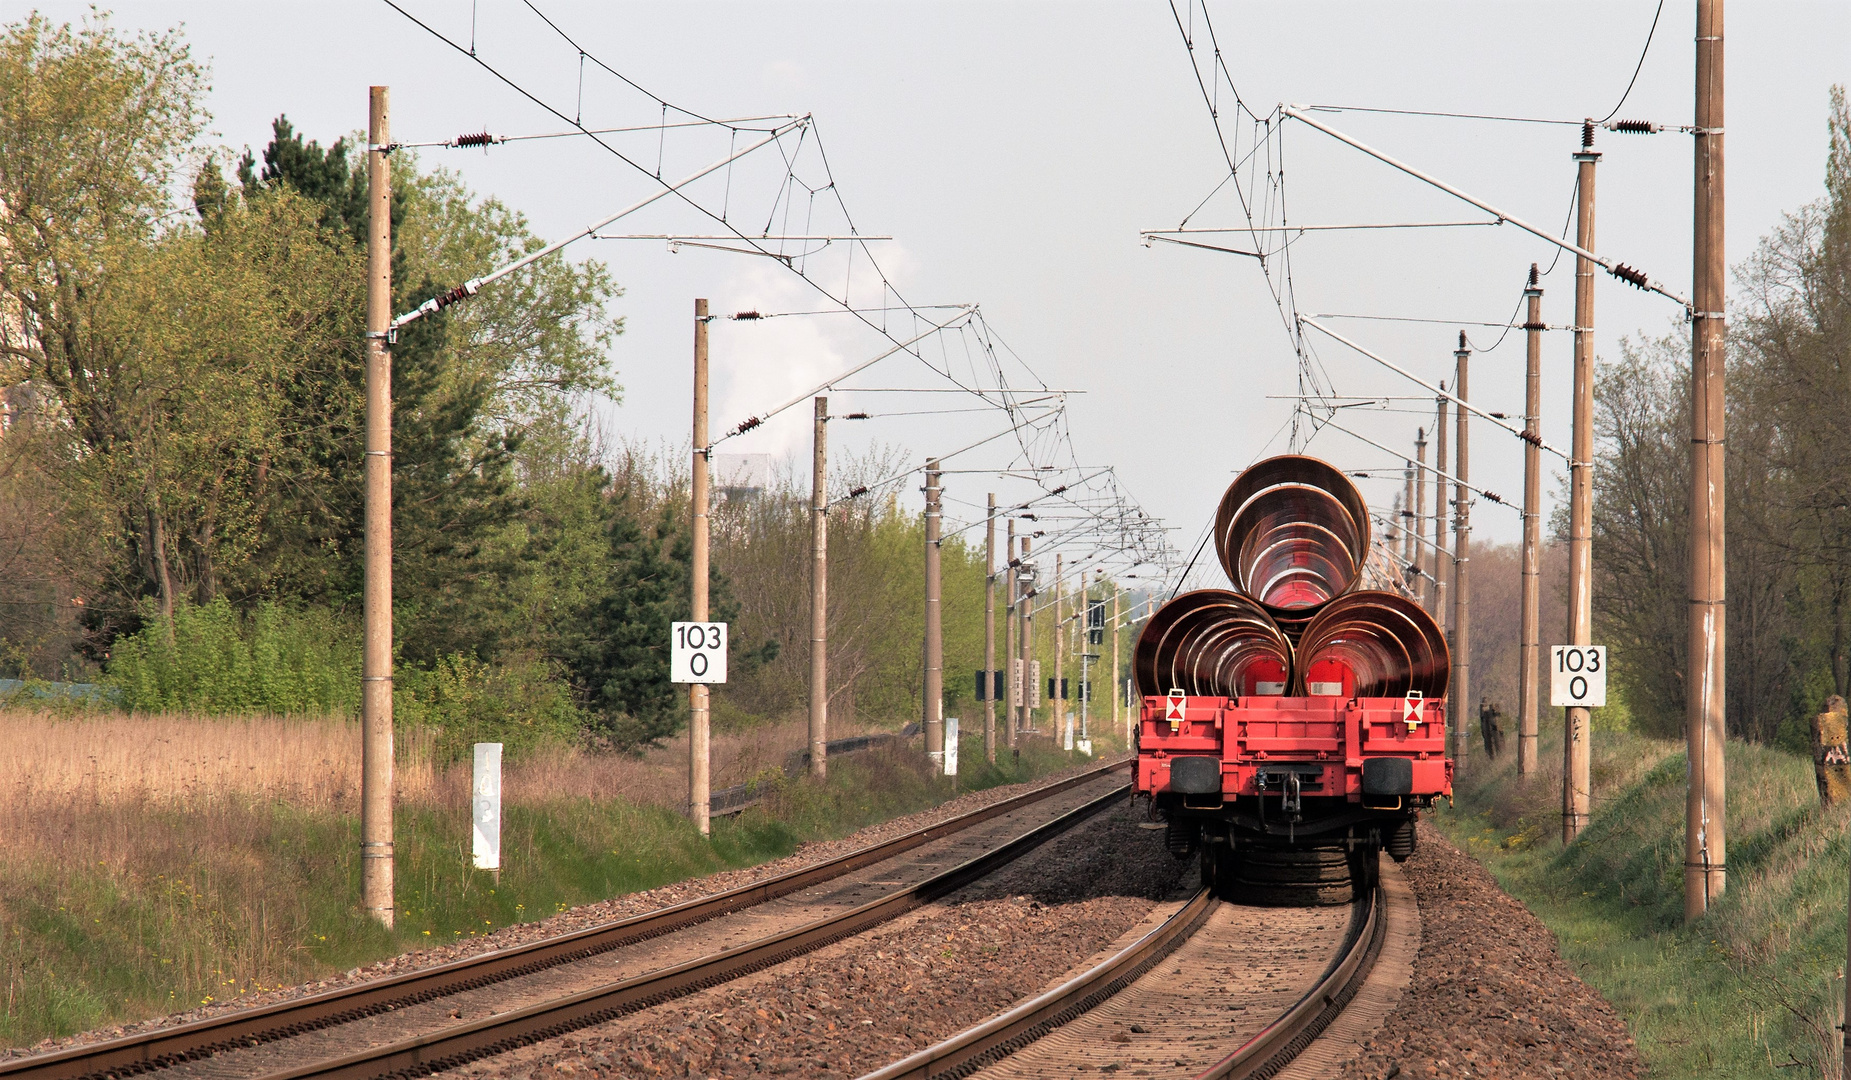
column 1389, row 644
column 1212, row 643
column 1293, row 533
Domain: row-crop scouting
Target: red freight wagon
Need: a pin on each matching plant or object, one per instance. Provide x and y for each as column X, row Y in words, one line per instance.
column 1294, row 727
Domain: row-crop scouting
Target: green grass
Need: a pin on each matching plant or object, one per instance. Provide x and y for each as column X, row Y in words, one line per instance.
column 200, row 904
column 1753, row 989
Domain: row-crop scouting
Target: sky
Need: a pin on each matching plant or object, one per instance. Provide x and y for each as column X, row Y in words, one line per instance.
column 1014, row 151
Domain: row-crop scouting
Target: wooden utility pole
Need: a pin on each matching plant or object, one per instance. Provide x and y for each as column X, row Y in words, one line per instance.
column 1056, row 700
column 376, row 854
column 1028, row 647
column 989, row 632
column 1428, row 598
column 1012, row 660
column 1576, row 761
column 1439, row 521
column 699, row 805
column 819, row 592
column 1461, row 693
column 1529, row 651
column 1705, row 724
column 934, row 720
column 1410, row 524
column 1118, row 697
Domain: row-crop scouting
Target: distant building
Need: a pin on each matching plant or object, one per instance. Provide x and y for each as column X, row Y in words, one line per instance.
column 741, row 476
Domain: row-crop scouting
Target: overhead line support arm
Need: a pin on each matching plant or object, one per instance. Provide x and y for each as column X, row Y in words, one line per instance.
column 1619, row 270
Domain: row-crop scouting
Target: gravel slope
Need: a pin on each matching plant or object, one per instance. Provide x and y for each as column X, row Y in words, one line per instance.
column 1491, row 997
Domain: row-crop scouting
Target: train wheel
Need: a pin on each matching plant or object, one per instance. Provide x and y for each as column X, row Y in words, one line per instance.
column 1220, row 864
column 1366, row 868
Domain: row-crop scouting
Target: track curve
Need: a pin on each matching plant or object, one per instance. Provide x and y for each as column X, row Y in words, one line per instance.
column 203, row 1048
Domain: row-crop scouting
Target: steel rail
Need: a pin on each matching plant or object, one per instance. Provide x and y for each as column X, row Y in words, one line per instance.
column 165, row 1047
column 1261, row 1056
column 1007, row 1032
column 1285, row 1038
column 459, row 1045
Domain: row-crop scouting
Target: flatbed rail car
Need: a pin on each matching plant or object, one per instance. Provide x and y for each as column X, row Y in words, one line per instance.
column 1291, row 770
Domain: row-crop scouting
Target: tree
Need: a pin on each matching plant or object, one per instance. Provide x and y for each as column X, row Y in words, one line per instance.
column 1789, row 485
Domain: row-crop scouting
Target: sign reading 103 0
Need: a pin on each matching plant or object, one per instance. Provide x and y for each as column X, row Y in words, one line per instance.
column 697, row 652
column 1578, row 675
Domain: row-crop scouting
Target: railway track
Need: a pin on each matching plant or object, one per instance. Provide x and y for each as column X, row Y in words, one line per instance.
column 1208, row 990
column 445, row 1016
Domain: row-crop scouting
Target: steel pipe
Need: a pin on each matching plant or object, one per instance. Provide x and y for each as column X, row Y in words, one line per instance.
column 1293, row 533
column 1212, row 643
column 1389, row 643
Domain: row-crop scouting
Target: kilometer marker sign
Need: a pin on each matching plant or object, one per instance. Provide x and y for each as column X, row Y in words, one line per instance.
column 697, row 652
column 1578, row 675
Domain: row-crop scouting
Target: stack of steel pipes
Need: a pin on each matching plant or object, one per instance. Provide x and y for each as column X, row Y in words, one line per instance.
column 1292, row 534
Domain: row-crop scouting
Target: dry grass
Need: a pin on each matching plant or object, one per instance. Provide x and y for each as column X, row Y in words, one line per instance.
column 49, row 760
column 103, row 758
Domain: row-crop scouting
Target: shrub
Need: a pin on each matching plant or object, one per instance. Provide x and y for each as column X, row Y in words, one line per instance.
column 463, row 701
column 212, row 658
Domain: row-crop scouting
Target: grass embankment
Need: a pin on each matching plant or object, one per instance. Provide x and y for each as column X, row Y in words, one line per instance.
column 1753, row 989
column 149, row 866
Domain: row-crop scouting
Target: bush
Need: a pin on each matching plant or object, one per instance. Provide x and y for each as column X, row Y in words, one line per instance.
column 463, row 701
column 284, row 661
column 214, row 659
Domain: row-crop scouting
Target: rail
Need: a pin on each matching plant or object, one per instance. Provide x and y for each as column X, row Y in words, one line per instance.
column 1261, row 1056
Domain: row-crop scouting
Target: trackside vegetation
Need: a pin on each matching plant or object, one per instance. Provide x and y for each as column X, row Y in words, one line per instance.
column 158, row 905
column 1755, row 988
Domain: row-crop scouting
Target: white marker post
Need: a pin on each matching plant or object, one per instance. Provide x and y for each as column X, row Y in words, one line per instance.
column 1578, row 675
column 697, row 652
column 951, row 746
column 486, row 804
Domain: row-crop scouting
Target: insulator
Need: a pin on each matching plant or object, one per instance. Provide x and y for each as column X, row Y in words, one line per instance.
column 1629, row 275
column 747, row 425
column 1212, row 643
column 1292, row 532
column 1587, row 135
column 857, row 416
column 1533, row 275
column 479, row 139
column 857, row 492
column 1530, row 437
column 461, row 292
column 1389, row 643
column 1058, row 490
column 747, row 316
column 1637, row 127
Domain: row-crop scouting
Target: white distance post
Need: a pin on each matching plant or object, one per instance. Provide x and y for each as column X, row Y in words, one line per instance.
column 485, row 799
column 697, row 652
column 951, row 746
column 1578, row 675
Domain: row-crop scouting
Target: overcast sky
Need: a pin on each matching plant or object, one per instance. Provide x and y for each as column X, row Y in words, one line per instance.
column 1014, row 151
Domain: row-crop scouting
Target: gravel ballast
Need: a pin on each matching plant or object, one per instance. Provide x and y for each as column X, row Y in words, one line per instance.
column 861, row 1003
column 1491, row 997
